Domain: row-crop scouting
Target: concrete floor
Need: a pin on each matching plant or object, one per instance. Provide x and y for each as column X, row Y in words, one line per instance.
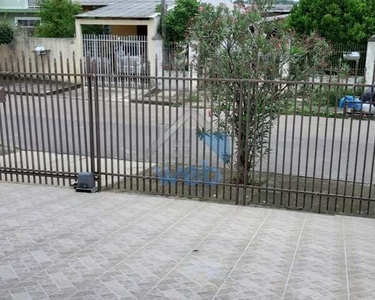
column 58, row 244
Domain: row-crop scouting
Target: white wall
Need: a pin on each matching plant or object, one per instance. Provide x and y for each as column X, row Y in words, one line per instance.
column 370, row 59
column 25, row 46
column 14, row 4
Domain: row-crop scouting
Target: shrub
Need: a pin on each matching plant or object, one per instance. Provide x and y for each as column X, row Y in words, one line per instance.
column 242, row 44
column 6, row 33
column 178, row 20
column 339, row 21
column 57, row 18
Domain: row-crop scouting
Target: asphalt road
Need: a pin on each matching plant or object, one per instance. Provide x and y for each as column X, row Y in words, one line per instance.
column 316, row 147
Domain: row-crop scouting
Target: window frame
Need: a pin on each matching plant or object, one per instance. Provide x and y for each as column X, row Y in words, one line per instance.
column 17, row 19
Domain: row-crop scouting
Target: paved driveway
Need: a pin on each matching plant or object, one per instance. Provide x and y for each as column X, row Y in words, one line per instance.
column 58, row 244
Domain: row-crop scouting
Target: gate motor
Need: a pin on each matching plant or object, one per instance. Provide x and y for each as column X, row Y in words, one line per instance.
column 86, row 183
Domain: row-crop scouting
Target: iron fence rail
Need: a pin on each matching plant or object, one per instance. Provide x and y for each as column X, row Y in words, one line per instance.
column 175, row 56
column 190, row 138
column 117, row 55
column 339, row 52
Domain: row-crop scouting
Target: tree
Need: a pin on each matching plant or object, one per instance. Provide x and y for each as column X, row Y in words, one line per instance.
column 6, row 33
column 57, row 18
column 178, row 20
column 241, row 44
column 339, row 21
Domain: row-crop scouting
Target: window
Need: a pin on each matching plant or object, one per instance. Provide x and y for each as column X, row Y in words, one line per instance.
column 30, row 22
column 33, row 3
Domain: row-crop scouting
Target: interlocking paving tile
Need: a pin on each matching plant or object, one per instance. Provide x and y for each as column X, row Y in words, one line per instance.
column 319, row 269
column 360, row 245
column 146, row 267
column 263, row 268
column 200, row 274
column 58, row 244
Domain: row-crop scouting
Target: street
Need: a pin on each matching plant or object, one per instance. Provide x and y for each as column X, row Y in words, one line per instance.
column 144, row 133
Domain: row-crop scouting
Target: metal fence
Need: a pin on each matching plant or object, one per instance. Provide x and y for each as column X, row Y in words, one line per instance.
column 175, row 56
column 280, row 143
column 117, row 55
column 340, row 52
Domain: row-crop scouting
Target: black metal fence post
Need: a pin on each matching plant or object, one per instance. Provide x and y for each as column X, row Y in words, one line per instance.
column 90, row 113
column 97, row 129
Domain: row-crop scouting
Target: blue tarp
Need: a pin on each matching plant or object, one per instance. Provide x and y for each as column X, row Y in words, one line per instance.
column 350, row 102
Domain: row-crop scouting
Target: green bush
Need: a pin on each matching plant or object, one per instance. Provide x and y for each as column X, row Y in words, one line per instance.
column 323, row 95
column 57, row 18
column 178, row 20
column 6, row 33
column 243, row 45
column 339, row 21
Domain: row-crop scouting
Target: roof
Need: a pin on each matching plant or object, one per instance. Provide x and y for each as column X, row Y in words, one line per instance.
column 282, row 8
column 125, row 9
column 145, row 9
column 228, row 3
column 133, row 9
column 96, row 2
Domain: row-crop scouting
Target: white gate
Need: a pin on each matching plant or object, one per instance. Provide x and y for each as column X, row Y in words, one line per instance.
column 118, row 55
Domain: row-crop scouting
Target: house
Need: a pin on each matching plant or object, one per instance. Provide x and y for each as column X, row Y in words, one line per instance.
column 23, row 14
column 139, row 21
column 132, row 17
column 279, row 11
column 133, row 25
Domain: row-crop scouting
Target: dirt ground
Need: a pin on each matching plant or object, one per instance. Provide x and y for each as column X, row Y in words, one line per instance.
column 311, row 195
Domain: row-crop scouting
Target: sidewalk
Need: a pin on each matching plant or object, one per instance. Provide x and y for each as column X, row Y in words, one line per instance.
column 59, row 244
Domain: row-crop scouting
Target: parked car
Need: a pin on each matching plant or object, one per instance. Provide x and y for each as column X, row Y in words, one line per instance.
column 368, row 95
